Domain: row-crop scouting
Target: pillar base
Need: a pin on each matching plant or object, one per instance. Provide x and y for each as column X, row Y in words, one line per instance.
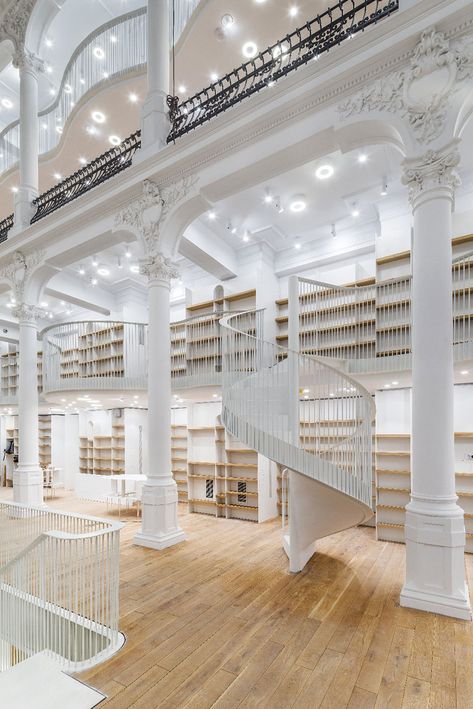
column 28, row 485
column 155, row 126
column 435, row 566
column 160, row 528
column 24, row 209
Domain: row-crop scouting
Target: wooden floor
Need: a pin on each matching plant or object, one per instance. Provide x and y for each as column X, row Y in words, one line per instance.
column 219, row 622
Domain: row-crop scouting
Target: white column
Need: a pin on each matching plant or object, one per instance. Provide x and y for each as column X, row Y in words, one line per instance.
column 29, row 66
column 155, row 124
column 28, row 478
column 435, row 530
column 160, row 527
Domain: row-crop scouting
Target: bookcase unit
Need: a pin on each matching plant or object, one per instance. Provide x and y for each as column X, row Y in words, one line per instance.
column 196, row 344
column 100, row 352
column 9, row 363
column 45, row 442
column 179, row 451
column 226, row 479
column 103, row 455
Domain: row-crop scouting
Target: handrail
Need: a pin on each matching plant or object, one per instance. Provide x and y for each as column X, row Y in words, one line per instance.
column 340, row 22
column 262, row 407
column 59, row 593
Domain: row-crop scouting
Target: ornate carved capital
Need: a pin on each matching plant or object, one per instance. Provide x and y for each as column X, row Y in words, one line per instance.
column 420, row 94
column 434, row 169
column 18, row 272
column 24, row 59
column 159, row 268
column 15, row 22
column 28, row 313
column 147, row 215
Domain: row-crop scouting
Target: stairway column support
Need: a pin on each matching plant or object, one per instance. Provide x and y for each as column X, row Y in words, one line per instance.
column 28, row 477
column 435, row 529
column 160, row 527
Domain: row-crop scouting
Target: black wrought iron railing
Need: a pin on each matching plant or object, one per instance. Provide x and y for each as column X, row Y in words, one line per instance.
column 99, row 170
column 341, row 22
column 5, row 226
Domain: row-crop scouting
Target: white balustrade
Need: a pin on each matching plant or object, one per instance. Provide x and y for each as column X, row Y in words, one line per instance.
column 59, row 581
column 123, row 44
column 297, row 411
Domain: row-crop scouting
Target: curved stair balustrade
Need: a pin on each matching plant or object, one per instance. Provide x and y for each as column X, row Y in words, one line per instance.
column 340, row 22
column 308, row 417
column 59, row 580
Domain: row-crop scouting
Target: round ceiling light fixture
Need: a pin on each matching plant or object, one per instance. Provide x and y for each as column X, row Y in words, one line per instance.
column 227, row 21
column 249, row 50
column 324, row 172
column 298, row 204
column 98, row 116
column 98, row 53
column 103, row 271
column 6, row 103
column 114, row 140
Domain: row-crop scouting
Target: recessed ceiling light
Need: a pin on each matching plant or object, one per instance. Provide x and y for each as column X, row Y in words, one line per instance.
column 227, row 21
column 98, row 116
column 113, row 39
column 324, row 172
column 6, row 103
column 91, row 130
column 82, row 80
column 68, row 88
column 83, row 161
column 362, row 158
column 355, row 212
column 213, row 76
column 57, row 176
column 48, row 42
column 297, row 245
column 464, row 371
column 293, row 11
column 395, row 384
column 249, row 50
column 298, row 205
column 135, row 268
column 98, row 52
column 132, row 97
column 182, row 89
column 212, row 216
column 94, row 281
column 114, row 140
column 81, row 270
column 387, row 386
column 49, row 69
column 14, row 189
column 128, row 253
column 102, row 271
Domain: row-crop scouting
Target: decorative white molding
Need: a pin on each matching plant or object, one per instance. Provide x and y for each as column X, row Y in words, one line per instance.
column 408, row 93
column 24, row 59
column 28, row 313
column 147, row 215
column 15, row 22
column 20, row 269
column 434, row 169
column 159, row 268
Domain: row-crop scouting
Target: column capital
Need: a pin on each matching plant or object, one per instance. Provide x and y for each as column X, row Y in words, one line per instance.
column 28, row 314
column 433, row 170
column 24, row 59
column 159, row 268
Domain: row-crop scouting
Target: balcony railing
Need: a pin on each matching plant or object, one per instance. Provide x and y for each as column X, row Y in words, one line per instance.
column 341, row 22
column 107, row 356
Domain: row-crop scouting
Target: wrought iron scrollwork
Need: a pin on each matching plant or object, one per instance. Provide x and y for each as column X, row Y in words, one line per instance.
column 5, row 226
column 99, row 170
column 341, row 22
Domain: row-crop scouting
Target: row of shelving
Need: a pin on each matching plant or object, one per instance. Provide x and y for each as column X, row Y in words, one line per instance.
column 9, row 372
column 103, row 455
column 393, row 486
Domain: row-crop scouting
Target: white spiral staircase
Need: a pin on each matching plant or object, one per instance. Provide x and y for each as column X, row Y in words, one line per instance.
column 308, row 417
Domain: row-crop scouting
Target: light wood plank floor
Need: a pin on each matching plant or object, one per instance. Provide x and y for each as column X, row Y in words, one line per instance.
column 219, row 622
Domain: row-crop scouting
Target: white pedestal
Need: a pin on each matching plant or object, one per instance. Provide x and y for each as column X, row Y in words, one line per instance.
column 28, row 485
column 155, row 126
column 160, row 528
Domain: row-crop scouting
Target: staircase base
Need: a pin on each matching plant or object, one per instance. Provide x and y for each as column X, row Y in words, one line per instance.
column 39, row 682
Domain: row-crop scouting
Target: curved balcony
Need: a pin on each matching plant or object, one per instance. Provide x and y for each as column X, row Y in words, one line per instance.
column 126, row 38
column 112, row 356
column 368, row 328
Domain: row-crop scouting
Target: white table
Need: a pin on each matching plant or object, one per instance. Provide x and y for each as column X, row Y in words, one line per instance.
column 119, row 494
